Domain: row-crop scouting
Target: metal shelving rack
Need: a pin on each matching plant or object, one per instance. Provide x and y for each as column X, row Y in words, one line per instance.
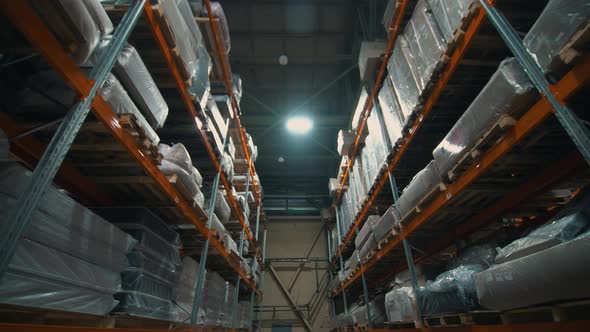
column 50, row 163
column 554, row 98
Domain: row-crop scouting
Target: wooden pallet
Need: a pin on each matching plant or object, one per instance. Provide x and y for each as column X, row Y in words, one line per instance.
column 423, row 203
column 388, row 237
column 576, row 46
column 402, row 325
column 459, row 32
column 487, row 139
column 129, row 122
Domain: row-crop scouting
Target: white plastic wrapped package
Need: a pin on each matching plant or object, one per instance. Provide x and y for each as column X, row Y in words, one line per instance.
column 370, row 58
column 229, row 244
column 392, row 116
column 244, row 315
column 402, row 69
column 369, row 245
column 546, row 236
column 212, row 299
column 377, row 310
column 146, row 259
column 178, row 155
column 200, row 87
column 227, row 165
column 369, row 168
column 560, row 273
column 345, row 141
column 555, row 26
column 188, row 180
column 113, row 94
column 508, row 92
column 377, row 143
column 237, row 87
column 182, row 38
column 448, row 14
column 217, row 225
column 217, row 11
column 137, row 80
column 145, row 305
column 72, row 25
column 184, row 289
column 333, row 186
column 483, row 255
column 142, row 281
column 99, row 16
column 222, row 209
column 391, row 11
column 386, row 224
column 365, row 231
column 356, row 117
column 400, row 305
column 451, row 292
column 225, row 317
column 426, row 41
column 187, row 15
column 61, row 223
column 153, row 243
column 231, row 148
column 39, row 276
column 421, row 185
column 196, row 6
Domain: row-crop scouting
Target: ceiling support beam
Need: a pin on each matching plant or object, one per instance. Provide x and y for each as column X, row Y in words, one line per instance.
column 288, row 297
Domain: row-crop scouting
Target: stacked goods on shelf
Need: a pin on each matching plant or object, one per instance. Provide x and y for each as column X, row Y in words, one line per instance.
column 365, row 240
column 216, row 125
column 449, row 15
column 393, row 119
column 209, row 38
column 402, row 69
column 544, row 42
column 177, row 162
column 244, row 321
column 370, row 59
column 345, row 142
column 225, row 319
column 426, row 181
column 376, row 310
column 387, row 224
column 521, row 277
column 212, row 299
column 148, row 282
column 507, row 95
column 68, row 259
column 78, row 25
column 221, row 208
column 184, row 290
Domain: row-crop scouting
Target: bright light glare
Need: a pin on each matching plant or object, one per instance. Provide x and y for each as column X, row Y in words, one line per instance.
column 299, row 125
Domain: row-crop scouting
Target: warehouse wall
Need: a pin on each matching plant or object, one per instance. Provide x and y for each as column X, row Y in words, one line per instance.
column 293, row 239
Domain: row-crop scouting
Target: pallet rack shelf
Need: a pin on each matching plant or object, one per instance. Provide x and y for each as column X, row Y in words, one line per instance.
column 33, row 152
column 571, row 169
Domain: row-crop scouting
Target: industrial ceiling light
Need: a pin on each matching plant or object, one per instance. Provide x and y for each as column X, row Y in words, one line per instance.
column 283, row 59
column 299, row 125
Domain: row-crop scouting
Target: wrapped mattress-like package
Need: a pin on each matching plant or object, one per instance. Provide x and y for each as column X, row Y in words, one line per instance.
column 178, row 155
column 115, row 95
column 558, row 22
column 558, row 273
column 42, row 277
column 184, row 289
column 78, row 25
column 402, row 68
column 377, row 134
column 370, row 58
column 451, row 292
column 448, row 15
column 366, row 231
column 217, row 11
column 426, row 42
column 138, row 82
column 212, row 299
column 546, row 236
column 181, row 38
column 386, row 224
column 189, row 19
column 400, row 305
column 345, row 141
column 369, row 245
column 421, row 185
column 508, row 92
column 145, row 305
column 200, row 87
column 222, row 209
column 392, row 117
column 356, row 117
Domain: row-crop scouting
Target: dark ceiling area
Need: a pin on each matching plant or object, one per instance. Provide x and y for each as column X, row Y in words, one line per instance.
column 321, row 39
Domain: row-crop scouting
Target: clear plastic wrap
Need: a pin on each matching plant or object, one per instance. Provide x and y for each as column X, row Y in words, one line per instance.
column 356, row 117
column 423, row 182
column 393, row 119
column 184, row 290
column 142, row 281
column 113, row 94
column 386, row 224
column 377, row 310
column 200, row 87
column 182, row 37
column 219, row 122
column 231, row 148
column 227, row 164
column 142, row 258
column 62, row 223
column 189, row 19
column 400, row 305
column 178, row 154
column 369, row 245
column 154, row 243
column 370, row 58
column 169, row 168
column 99, row 16
column 39, row 276
column 378, row 141
column 145, row 305
column 218, row 13
column 222, row 209
column 546, row 236
column 557, row 23
column 229, row 244
column 213, row 296
column 333, row 186
column 559, row 273
column 72, row 25
column 366, row 231
column 508, row 92
column 217, row 225
column 244, row 315
column 451, row 292
column 236, row 81
column 369, row 167
column 426, row 41
column 401, row 68
column 225, row 315
column 345, row 141
column 483, row 255
column 140, row 85
column 448, row 14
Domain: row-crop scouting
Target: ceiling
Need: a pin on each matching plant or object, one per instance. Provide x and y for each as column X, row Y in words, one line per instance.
column 321, row 81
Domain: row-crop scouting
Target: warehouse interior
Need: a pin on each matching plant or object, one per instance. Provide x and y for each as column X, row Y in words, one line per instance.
column 294, row 165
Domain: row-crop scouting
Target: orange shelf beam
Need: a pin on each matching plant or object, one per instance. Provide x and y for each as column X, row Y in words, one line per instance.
column 167, row 53
column 6, row 327
column 564, row 89
column 36, row 32
column 569, row 326
column 454, row 62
